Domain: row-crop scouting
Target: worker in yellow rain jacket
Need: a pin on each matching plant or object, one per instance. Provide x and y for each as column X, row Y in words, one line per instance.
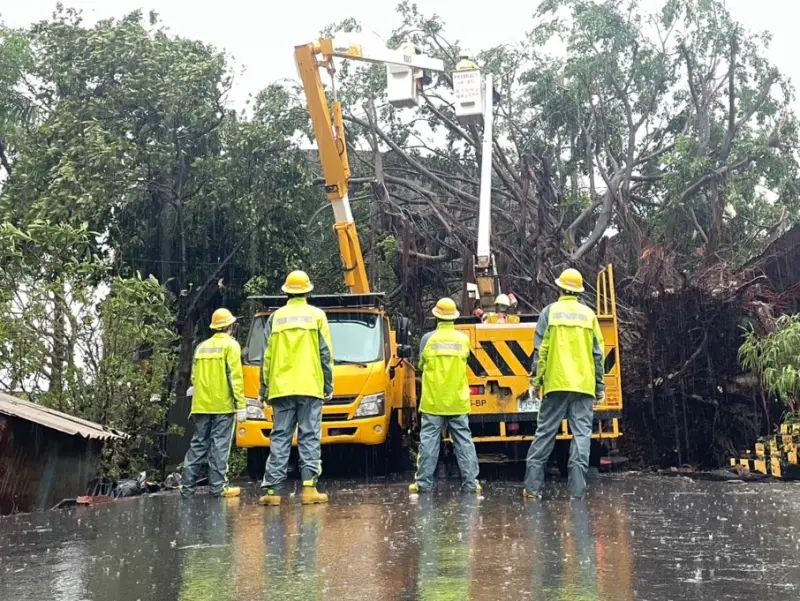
column 296, row 375
column 218, row 395
column 512, row 314
column 568, row 370
column 465, row 63
column 445, row 400
column 501, row 306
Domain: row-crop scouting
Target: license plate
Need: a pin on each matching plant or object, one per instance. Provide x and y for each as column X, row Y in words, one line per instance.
column 527, row 405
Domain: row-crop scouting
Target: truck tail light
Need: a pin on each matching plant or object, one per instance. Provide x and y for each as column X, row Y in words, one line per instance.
column 475, row 390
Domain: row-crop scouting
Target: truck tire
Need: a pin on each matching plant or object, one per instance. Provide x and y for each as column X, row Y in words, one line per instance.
column 256, row 462
column 597, row 451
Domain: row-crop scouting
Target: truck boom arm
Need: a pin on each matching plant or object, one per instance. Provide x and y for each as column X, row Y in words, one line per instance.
column 329, row 132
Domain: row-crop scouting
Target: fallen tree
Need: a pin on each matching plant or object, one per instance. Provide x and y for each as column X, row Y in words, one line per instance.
column 661, row 142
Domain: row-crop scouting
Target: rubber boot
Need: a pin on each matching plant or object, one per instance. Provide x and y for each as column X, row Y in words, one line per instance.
column 413, row 488
column 231, row 491
column 270, row 499
column 311, row 496
column 528, row 496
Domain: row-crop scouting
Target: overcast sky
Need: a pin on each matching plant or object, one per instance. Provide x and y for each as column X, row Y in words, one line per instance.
column 262, row 42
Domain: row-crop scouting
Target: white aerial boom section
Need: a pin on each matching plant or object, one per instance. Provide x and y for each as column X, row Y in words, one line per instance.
column 405, row 70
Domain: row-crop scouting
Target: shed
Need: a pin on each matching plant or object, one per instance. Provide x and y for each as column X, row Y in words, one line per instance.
column 45, row 455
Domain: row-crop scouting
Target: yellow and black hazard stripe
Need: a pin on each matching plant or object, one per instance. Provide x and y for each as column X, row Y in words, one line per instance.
column 501, row 357
column 508, row 358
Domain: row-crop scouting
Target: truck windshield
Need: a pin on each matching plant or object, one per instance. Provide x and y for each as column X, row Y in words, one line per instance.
column 356, row 338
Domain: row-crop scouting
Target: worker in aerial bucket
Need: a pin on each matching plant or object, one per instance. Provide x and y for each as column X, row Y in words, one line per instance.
column 568, row 371
column 218, row 396
column 512, row 314
column 421, row 76
column 445, row 401
column 296, row 376
column 465, row 62
column 501, row 307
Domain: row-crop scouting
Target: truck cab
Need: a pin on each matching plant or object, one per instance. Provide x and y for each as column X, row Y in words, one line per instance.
column 374, row 398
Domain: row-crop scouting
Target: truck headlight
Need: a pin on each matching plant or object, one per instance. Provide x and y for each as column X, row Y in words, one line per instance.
column 371, row 405
column 255, row 410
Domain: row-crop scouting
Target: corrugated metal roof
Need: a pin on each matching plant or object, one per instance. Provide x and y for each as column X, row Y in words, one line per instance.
column 56, row 420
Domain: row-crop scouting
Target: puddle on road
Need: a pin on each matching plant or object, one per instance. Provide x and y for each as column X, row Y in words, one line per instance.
column 632, row 538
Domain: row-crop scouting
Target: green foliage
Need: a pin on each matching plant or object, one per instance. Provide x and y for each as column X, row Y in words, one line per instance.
column 75, row 341
column 16, row 109
column 237, row 462
column 776, row 358
column 136, row 355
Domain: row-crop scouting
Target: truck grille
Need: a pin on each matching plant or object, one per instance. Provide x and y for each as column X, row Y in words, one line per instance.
column 341, row 400
column 335, row 417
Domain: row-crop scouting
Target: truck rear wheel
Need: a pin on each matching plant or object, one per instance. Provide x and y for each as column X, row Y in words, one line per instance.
column 561, row 451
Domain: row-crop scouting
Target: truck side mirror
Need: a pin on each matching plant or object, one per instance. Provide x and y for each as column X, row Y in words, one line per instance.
column 404, row 351
column 403, row 325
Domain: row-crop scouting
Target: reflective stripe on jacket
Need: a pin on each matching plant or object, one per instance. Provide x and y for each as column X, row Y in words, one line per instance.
column 217, row 376
column 568, row 353
column 298, row 360
column 443, row 361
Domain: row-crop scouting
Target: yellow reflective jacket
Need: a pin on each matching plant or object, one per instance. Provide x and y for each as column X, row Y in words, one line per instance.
column 466, row 64
column 298, row 360
column 443, row 361
column 568, row 353
column 217, row 376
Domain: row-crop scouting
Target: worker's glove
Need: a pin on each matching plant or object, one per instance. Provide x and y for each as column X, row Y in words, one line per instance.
column 328, row 398
column 600, row 398
column 241, row 415
column 190, row 391
column 533, row 391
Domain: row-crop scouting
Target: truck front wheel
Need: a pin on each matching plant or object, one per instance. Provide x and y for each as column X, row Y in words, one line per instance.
column 256, row 462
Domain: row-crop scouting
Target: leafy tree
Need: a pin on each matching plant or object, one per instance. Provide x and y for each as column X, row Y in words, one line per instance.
column 74, row 342
column 137, row 141
column 775, row 358
column 16, row 109
column 669, row 127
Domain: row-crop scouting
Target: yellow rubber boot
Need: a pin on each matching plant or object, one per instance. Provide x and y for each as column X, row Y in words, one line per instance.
column 311, row 496
column 270, row 499
column 232, row 491
column 528, row 496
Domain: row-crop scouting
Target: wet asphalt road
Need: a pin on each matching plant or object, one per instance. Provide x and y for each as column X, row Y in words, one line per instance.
column 634, row 537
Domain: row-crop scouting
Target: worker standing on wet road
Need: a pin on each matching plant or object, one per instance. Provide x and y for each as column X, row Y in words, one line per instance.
column 445, row 400
column 568, row 370
column 218, row 394
column 296, row 375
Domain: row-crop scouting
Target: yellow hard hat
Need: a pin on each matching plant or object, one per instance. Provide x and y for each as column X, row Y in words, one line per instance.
column 502, row 300
column 297, row 282
column 221, row 319
column 570, row 280
column 446, row 309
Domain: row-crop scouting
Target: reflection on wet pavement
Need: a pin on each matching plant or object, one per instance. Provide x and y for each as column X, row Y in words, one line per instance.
column 632, row 538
